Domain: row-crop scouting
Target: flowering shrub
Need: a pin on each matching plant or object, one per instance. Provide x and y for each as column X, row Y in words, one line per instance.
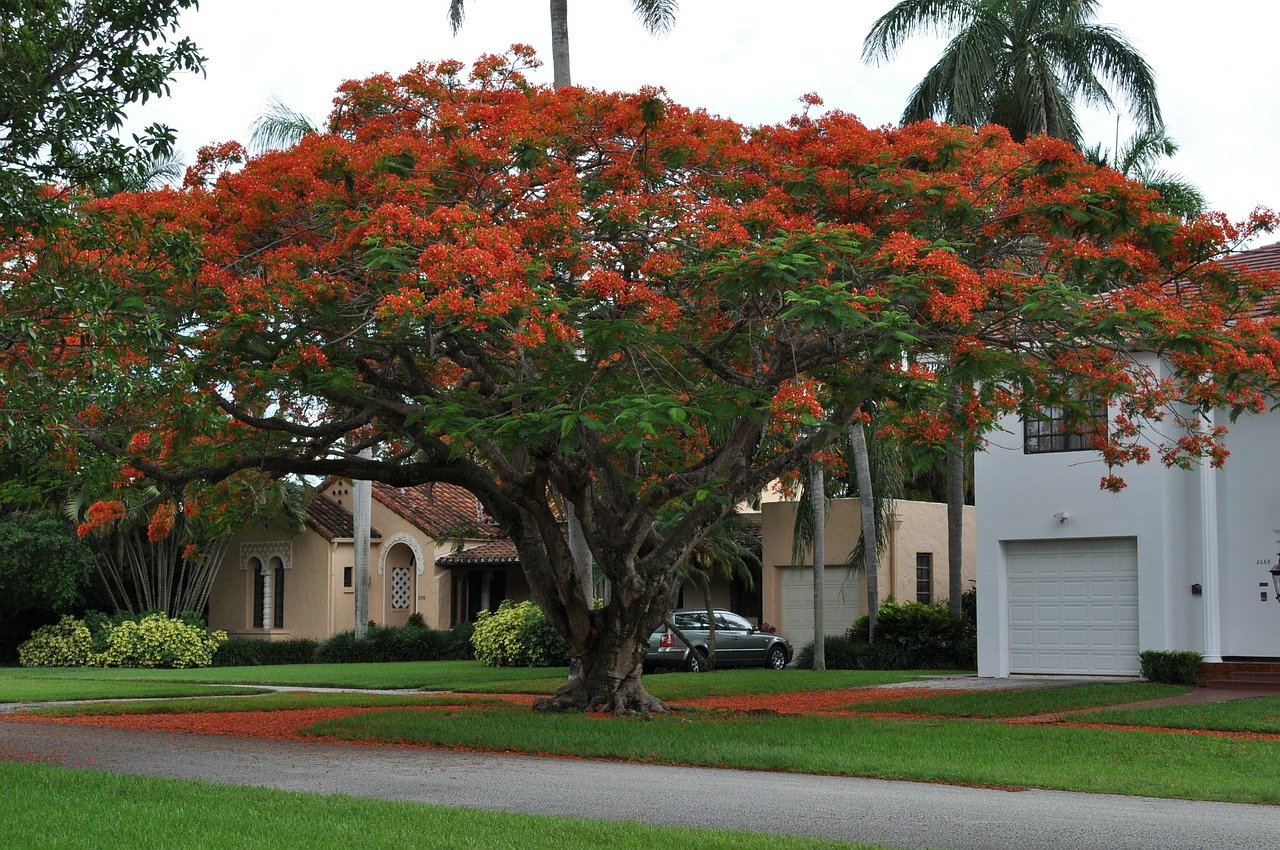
column 157, row 641
column 153, row 641
column 518, row 636
column 66, row 643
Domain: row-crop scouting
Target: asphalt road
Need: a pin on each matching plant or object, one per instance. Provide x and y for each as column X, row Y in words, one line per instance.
column 896, row 814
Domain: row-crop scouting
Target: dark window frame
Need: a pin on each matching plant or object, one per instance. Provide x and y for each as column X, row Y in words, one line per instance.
column 924, row 577
column 1047, row 432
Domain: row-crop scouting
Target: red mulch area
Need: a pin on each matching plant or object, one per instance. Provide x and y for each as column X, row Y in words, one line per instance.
column 283, row 724
column 286, row 723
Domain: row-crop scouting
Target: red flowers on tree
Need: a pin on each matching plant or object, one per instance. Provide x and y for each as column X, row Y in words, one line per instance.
column 613, row 300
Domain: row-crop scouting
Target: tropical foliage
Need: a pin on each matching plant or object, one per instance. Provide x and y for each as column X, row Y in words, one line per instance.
column 70, row 68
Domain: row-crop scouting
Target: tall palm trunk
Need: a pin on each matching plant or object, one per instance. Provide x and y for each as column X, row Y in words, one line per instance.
column 560, row 43
column 867, row 507
column 818, row 497
column 955, row 511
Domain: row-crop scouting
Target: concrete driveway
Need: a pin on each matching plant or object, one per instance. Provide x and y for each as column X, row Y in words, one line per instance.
column 896, row 814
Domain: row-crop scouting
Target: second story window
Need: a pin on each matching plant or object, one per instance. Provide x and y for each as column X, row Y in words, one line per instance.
column 1052, row 431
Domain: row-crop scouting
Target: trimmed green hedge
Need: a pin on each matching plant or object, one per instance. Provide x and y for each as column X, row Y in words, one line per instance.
column 410, row 642
column 252, row 652
column 1171, row 666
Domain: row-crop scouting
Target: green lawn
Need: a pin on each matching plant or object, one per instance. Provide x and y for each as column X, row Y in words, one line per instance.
column 1259, row 714
column 1023, row 703
column 421, row 675
column 464, row 676
column 957, row 751
column 48, row 806
column 34, row 689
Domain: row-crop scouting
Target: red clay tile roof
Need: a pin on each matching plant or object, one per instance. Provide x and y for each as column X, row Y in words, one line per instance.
column 441, row 510
column 330, row 519
column 498, row 552
column 1266, row 258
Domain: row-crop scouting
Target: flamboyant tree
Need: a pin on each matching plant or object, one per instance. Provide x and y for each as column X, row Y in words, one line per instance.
column 612, row 300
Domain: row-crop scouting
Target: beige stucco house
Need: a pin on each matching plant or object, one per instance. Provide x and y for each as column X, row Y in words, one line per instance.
column 434, row 552
column 913, row 564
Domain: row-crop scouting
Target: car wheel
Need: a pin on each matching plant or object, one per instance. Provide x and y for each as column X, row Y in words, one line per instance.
column 695, row 661
column 777, row 658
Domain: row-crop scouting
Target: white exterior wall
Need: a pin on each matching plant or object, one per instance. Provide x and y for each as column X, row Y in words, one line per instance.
column 1017, row 495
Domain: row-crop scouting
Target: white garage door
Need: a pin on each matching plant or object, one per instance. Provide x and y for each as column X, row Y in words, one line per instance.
column 840, row 603
column 1073, row 607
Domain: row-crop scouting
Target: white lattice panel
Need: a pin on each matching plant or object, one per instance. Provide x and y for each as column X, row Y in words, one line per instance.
column 400, row 588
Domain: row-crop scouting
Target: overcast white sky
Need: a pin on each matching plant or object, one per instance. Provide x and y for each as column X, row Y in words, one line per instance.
column 1216, row 66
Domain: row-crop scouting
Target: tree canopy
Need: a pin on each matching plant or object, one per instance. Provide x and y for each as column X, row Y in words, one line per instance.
column 613, row 300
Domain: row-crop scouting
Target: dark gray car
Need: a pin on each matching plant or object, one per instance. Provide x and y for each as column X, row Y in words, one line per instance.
column 738, row 643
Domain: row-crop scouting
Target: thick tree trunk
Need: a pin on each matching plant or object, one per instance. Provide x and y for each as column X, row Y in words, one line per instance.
column 612, row 665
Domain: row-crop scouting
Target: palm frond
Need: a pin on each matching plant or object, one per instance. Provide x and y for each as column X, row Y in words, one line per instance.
column 1123, row 66
column 279, row 127
column 457, row 11
column 912, row 17
column 658, row 16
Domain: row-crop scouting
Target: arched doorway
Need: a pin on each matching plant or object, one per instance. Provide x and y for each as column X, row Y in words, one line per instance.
column 399, row 564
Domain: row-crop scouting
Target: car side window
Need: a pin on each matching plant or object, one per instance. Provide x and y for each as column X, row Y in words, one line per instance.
column 691, row 620
column 725, row 620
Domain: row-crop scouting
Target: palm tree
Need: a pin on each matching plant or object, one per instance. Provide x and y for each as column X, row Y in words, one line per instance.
column 657, row 16
column 1137, row 159
column 1022, row 64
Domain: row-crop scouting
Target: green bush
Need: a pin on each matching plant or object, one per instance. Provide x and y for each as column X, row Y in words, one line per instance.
column 518, row 636
column 1171, row 666
column 410, row 642
column 151, row 640
column 909, row 635
column 66, row 643
column 252, row 652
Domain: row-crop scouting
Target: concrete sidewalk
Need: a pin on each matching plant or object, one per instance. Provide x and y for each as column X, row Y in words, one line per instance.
column 896, row 814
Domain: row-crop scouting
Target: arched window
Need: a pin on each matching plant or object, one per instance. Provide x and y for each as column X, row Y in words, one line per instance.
column 277, row 596
column 259, row 591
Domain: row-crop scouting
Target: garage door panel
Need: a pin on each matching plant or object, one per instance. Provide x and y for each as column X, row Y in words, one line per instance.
column 841, row 602
column 1073, row 607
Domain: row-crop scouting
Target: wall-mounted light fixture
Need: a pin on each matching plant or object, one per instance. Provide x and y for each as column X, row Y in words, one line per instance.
column 1275, row 578
column 1061, row 516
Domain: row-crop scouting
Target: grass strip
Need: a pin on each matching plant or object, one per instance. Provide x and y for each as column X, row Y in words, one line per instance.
column 737, row 682
column 35, row 689
column 955, row 751
column 277, row 701
column 1257, row 714
column 48, row 806
column 1024, row 703
column 469, row 677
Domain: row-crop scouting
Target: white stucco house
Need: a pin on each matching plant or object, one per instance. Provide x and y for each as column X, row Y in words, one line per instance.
column 1076, row 580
